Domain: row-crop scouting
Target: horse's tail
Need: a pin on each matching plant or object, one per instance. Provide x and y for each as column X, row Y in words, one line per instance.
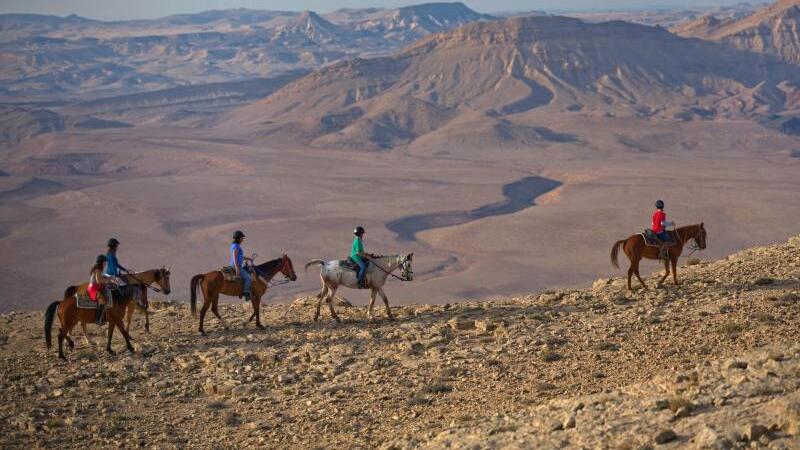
column 49, row 317
column 193, row 287
column 315, row 262
column 615, row 253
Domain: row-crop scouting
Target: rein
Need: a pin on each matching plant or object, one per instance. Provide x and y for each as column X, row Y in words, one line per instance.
column 386, row 271
column 695, row 247
column 270, row 278
column 146, row 285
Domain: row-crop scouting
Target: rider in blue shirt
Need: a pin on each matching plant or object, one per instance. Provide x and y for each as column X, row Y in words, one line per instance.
column 113, row 269
column 237, row 261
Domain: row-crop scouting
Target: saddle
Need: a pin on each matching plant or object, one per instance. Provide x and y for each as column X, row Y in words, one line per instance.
column 348, row 264
column 651, row 240
column 83, row 301
column 229, row 273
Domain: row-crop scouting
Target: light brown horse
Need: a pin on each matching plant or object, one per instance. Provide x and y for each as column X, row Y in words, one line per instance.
column 70, row 315
column 213, row 284
column 636, row 249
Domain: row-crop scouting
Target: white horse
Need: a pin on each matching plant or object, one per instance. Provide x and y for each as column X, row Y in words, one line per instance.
column 379, row 268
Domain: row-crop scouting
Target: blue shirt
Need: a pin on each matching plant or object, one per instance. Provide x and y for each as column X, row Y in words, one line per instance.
column 112, row 265
column 237, row 258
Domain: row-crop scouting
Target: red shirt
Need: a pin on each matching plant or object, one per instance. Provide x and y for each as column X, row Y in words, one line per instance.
column 658, row 217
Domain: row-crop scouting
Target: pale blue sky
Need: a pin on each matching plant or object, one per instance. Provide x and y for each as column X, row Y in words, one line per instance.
column 136, row 9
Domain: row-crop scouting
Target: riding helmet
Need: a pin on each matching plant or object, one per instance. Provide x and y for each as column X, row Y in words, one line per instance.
column 113, row 242
column 238, row 235
column 100, row 259
column 359, row 231
column 660, row 204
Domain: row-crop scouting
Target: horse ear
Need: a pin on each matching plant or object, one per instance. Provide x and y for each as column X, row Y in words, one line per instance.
column 157, row 275
column 701, row 225
column 410, row 255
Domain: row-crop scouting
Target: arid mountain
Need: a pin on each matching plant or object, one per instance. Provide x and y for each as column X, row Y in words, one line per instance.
column 19, row 124
column 772, row 30
column 484, row 73
column 668, row 17
column 47, row 56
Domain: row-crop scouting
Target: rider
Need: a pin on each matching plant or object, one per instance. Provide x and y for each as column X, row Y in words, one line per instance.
column 237, row 261
column 357, row 254
column 113, row 271
column 659, row 227
column 97, row 289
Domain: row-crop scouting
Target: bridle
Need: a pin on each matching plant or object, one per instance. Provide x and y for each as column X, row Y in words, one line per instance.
column 147, row 285
column 271, row 280
column 695, row 245
column 406, row 272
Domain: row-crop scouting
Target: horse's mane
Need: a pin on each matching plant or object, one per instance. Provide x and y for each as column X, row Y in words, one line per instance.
column 270, row 266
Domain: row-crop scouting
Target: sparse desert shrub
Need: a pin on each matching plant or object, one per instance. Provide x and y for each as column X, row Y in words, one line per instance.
column 605, row 346
column 763, row 317
column 730, row 328
column 216, row 405
column 550, row 356
column 231, row 419
column 764, row 281
column 678, row 402
column 437, row 387
column 418, row 400
column 692, row 261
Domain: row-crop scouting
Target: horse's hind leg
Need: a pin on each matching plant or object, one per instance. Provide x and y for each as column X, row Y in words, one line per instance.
column 635, row 267
column 129, row 316
column 61, row 335
column 257, row 312
column 320, row 296
column 386, row 303
column 215, row 310
column 329, row 301
column 118, row 322
column 203, row 311
column 110, row 334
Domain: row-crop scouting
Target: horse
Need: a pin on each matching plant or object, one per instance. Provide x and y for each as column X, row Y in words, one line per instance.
column 213, row 284
column 636, row 249
column 70, row 315
column 379, row 268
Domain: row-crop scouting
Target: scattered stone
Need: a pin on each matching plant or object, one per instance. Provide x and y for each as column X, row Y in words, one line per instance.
column 665, row 436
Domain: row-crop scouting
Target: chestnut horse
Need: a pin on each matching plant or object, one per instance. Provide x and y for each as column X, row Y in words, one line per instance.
column 636, row 249
column 213, row 284
column 70, row 315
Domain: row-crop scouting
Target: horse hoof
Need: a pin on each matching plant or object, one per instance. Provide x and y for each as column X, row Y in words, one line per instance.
column 259, row 326
column 111, row 352
column 62, row 357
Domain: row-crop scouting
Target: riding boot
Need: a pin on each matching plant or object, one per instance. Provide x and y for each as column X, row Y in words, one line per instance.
column 664, row 253
column 101, row 309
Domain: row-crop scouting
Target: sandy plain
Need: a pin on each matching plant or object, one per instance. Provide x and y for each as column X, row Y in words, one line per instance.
column 173, row 196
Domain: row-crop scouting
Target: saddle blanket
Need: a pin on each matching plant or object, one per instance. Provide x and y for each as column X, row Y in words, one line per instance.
column 651, row 240
column 229, row 273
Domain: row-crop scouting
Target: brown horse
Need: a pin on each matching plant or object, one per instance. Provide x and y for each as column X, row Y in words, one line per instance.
column 70, row 315
column 213, row 284
column 636, row 249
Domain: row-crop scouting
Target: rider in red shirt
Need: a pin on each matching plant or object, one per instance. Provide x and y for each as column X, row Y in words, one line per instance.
column 659, row 227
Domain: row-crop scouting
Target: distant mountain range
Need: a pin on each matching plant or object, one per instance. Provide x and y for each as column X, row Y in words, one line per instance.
column 474, row 80
column 46, row 56
column 773, row 30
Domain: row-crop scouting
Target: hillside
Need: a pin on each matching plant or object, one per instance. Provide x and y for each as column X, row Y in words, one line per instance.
column 483, row 72
column 772, row 30
column 712, row 363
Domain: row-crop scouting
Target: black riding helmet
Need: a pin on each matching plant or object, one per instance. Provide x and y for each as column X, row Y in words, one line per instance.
column 237, row 235
column 100, row 259
column 359, row 231
column 660, row 204
column 113, row 242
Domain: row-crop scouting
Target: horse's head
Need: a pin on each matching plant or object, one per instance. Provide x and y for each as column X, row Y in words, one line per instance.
column 405, row 268
column 700, row 237
column 287, row 269
column 161, row 278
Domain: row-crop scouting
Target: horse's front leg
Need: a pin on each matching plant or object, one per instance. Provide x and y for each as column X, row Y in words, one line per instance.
column 320, row 296
column 666, row 273
column 118, row 322
column 110, row 334
column 89, row 341
column 371, row 302
column 386, row 303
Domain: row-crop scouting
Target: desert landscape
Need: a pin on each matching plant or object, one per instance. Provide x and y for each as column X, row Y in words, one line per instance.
column 417, row 141
column 507, row 150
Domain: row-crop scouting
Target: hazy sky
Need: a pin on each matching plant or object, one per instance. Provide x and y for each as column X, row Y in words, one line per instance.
column 134, row 9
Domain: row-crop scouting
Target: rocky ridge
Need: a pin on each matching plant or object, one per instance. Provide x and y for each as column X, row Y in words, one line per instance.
column 712, row 363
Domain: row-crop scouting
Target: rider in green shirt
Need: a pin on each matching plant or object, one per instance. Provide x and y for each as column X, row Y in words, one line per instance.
column 357, row 254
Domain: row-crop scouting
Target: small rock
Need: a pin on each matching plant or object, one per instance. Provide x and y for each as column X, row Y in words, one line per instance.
column 665, row 436
column 569, row 423
column 461, row 324
column 753, row 432
column 734, row 364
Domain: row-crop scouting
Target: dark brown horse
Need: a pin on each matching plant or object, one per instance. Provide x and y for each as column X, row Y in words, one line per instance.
column 213, row 284
column 70, row 315
column 636, row 249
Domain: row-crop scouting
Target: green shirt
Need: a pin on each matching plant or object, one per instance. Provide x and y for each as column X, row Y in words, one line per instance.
column 358, row 248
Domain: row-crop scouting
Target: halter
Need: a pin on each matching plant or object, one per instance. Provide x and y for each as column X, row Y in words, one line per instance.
column 695, row 246
column 270, row 280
